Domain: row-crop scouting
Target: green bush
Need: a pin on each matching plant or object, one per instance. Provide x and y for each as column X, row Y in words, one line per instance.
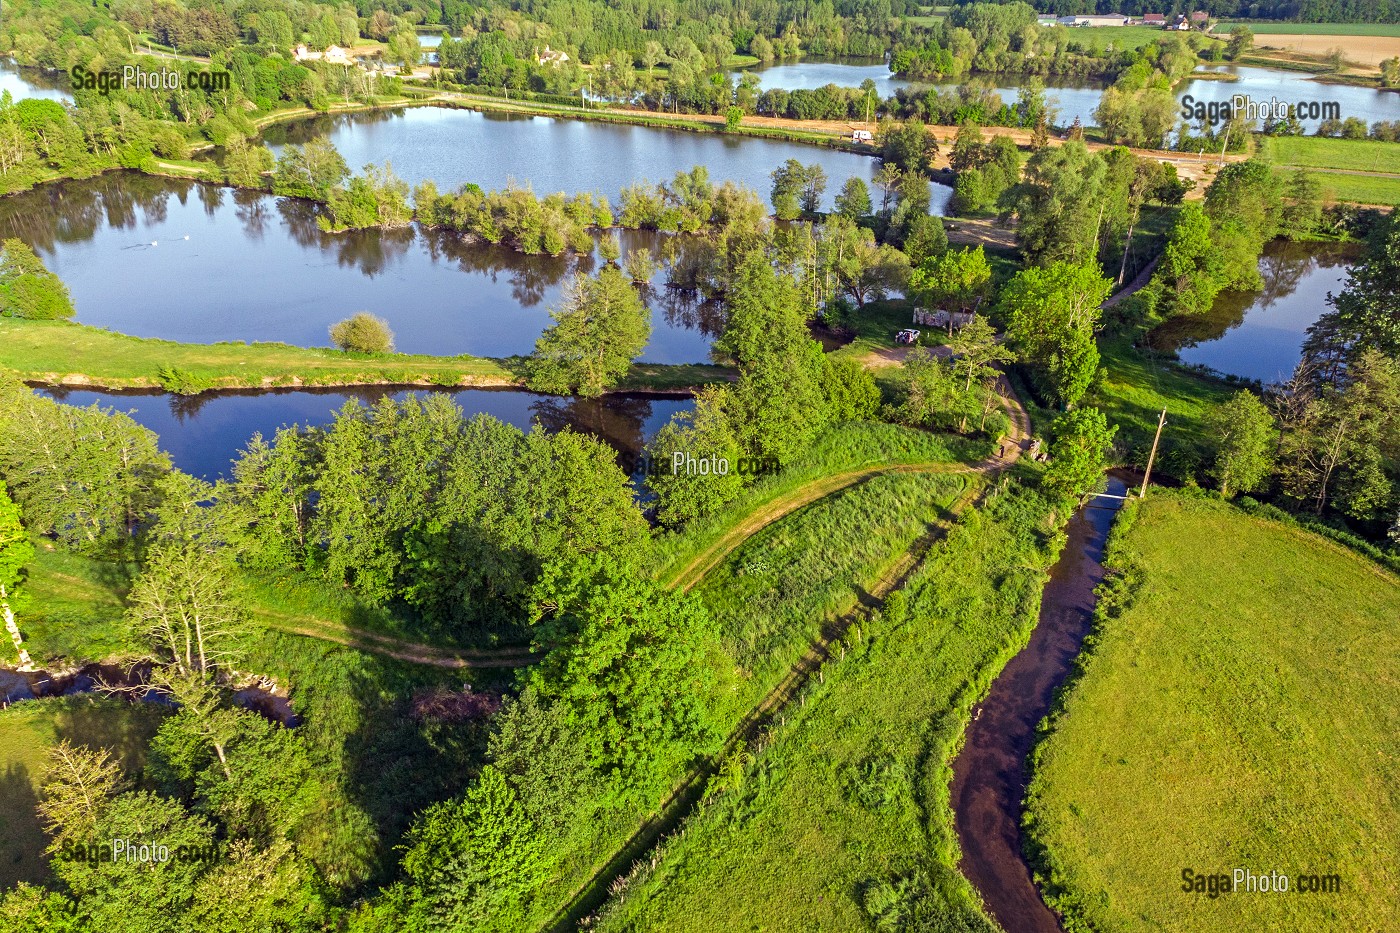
column 363, row 332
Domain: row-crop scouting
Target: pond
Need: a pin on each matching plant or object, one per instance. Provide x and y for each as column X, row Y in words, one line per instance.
column 549, row 154
column 161, row 257
column 1259, row 335
column 809, row 75
column 204, row 433
column 33, row 82
column 1080, row 98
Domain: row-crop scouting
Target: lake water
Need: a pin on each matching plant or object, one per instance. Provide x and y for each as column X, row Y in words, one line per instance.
column 204, row 433
column 33, row 82
column 453, row 147
column 1264, row 84
column 1259, row 335
column 810, row 75
column 1081, row 98
column 239, row 265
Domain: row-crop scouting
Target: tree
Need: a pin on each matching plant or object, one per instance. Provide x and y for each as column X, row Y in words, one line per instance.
column 702, row 434
column 1050, row 316
column 610, row 248
column 797, row 188
column 853, row 202
column 363, row 332
column 27, row 288
column 15, row 547
column 1058, row 204
column 1191, row 267
column 1241, row 41
column 957, row 280
column 77, row 784
column 1078, row 451
column 932, row 398
column 976, row 352
column 861, row 269
column 632, row 679
column 476, row 862
column 778, row 402
column 1335, row 452
column 245, row 165
column 184, row 603
column 1366, row 315
column 909, row 145
column 85, row 475
column 1243, row 434
column 598, row 331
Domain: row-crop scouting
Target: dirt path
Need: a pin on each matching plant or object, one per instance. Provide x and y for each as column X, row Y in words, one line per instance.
column 391, row 647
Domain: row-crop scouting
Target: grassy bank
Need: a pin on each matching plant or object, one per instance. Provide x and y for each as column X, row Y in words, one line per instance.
column 1132, row 395
column 1262, row 732
column 64, row 353
column 840, row 820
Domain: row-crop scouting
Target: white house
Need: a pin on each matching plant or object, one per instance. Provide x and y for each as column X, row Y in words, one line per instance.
column 552, row 57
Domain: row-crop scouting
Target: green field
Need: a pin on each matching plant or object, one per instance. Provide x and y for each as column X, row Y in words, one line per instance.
column 1355, row 155
column 27, row 730
column 841, row 815
column 1362, row 189
column 1263, row 731
column 1122, row 37
column 47, row 351
column 1316, row 29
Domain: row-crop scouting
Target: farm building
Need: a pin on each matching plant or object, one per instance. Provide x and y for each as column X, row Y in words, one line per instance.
column 1114, row 19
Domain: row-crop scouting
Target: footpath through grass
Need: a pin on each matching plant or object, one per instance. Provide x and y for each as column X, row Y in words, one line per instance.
column 55, row 352
column 840, row 820
column 1239, row 709
column 857, row 447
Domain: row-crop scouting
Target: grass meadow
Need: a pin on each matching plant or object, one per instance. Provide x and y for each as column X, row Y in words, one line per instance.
column 839, row 819
column 1239, row 708
column 1355, row 155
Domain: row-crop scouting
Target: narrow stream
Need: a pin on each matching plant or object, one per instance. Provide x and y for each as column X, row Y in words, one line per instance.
column 989, row 774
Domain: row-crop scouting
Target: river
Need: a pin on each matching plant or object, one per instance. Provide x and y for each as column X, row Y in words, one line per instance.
column 1259, row 334
column 989, row 774
column 204, row 433
column 161, row 257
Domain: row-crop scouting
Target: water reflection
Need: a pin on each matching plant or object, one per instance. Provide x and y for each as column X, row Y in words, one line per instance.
column 452, row 147
column 1259, row 334
column 204, row 433
column 159, row 257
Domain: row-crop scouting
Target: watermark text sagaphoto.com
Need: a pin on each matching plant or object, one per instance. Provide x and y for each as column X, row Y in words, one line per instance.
column 1247, row 881
column 1222, row 111
column 135, row 852
column 131, row 77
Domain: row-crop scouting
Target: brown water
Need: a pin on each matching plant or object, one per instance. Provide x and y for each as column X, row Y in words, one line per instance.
column 989, row 774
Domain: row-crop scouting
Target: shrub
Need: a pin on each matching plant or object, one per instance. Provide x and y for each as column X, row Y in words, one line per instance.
column 363, row 333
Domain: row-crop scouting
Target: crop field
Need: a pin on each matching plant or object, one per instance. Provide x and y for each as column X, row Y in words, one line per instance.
column 1263, row 732
column 27, row 731
column 840, row 821
column 1356, row 155
column 1364, row 48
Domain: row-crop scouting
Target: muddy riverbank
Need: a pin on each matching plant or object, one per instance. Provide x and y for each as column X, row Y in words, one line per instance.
column 989, row 774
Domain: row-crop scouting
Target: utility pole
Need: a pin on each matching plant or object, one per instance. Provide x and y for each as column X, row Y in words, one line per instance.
column 1161, row 423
